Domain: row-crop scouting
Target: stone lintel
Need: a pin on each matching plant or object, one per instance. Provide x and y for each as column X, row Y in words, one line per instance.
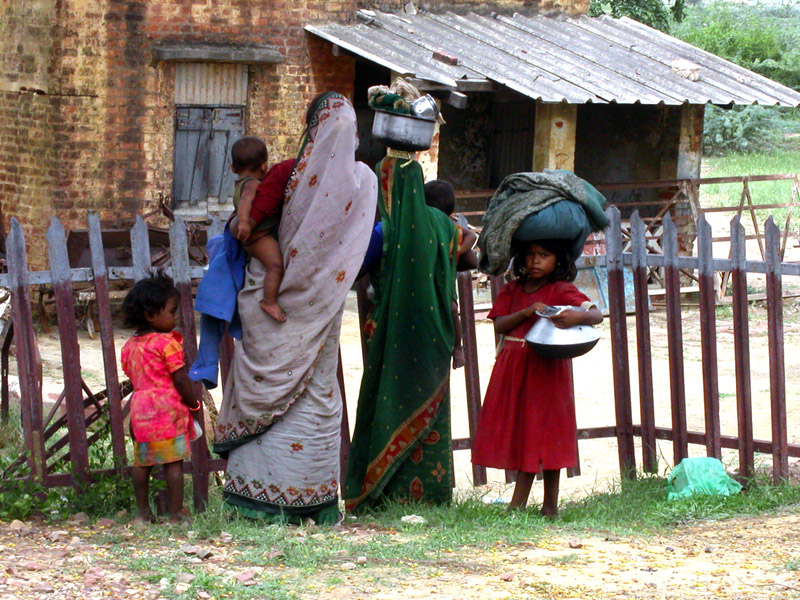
column 254, row 54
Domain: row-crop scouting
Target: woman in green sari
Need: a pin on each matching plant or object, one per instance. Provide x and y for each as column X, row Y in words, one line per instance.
column 401, row 445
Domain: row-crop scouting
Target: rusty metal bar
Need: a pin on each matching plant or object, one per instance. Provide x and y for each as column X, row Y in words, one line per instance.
column 70, row 351
column 708, row 337
column 643, row 344
column 107, row 339
column 741, row 346
column 29, row 370
column 728, row 441
column 619, row 346
column 469, row 340
column 5, row 393
column 672, row 284
column 777, row 372
column 179, row 246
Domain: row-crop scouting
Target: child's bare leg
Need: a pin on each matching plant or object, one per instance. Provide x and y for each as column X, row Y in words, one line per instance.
column 173, row 473
column 141, row 491
column 267, row 251
column 550, row 503
column 522, row 490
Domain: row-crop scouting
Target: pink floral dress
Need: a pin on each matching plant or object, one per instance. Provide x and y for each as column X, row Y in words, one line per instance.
column 161, row 423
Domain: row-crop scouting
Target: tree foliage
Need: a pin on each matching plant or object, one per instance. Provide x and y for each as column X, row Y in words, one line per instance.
column 654, row 13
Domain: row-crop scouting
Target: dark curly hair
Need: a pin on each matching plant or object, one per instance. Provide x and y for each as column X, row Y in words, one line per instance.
column 248, row 153
column 148, row 297
column 565, row 267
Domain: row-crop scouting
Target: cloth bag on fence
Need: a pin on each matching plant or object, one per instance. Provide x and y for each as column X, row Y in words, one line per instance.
column 703, row 475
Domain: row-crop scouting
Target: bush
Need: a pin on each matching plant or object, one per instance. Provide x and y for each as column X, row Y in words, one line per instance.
column 763, row 39
column 742, row 129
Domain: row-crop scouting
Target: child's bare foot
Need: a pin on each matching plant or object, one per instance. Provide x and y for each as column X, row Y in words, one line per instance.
column 144, row 519
column 274, row 311
column 549, row 513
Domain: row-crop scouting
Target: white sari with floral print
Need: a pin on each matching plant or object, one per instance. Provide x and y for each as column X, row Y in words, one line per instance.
column 281, row 414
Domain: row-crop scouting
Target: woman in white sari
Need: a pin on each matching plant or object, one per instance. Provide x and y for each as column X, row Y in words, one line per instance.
column 280, row 420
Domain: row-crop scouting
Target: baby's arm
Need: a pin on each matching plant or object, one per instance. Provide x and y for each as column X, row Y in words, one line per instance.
column 185, row 388
column 458, row 349
column 246, row 224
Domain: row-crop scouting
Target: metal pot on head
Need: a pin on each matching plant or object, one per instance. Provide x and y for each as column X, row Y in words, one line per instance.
column 403, row 132
column 554, row 342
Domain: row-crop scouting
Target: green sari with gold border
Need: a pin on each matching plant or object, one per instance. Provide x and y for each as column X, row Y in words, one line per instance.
column 401, row 445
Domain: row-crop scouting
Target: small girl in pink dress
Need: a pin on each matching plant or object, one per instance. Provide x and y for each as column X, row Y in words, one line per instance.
column 163, row 399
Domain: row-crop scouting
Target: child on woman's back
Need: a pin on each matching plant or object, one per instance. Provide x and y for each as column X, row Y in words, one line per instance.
column 441, row 195
column 527, row 422
column 249, row 162
column 163, row 400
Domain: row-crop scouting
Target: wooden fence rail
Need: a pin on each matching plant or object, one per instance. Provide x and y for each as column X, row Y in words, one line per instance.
column 55, row 462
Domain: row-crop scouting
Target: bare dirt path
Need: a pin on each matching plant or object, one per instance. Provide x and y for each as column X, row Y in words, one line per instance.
column 753, row 558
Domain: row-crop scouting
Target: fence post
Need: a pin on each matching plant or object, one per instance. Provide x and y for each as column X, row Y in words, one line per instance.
column 680, row 440
column 181, row 273
column 30, row 370
column 107, row 339
column 619, row 345
column 70, row 351
column 643, row 349
column 741, row 345
column 708, row 336
column 471, row 367
column 777, row 372
column 140, row 249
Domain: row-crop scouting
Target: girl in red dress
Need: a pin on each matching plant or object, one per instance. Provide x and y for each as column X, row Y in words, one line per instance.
column 527, row 422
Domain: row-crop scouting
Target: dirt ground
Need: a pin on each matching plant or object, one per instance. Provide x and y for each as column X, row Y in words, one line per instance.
column 736, row 558
column 752, row 558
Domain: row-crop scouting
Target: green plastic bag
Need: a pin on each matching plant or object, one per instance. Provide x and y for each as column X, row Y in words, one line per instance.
column 703, row 475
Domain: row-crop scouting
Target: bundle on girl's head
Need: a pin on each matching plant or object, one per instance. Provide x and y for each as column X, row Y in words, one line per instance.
column 147, row 297
column 565, row 266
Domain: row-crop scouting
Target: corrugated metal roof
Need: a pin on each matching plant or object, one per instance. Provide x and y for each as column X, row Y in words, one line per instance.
column 554, row 59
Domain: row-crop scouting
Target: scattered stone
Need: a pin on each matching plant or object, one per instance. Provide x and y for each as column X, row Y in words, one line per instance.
column 44, row 588
column 80, row 518
column 575, row 544
column 413, row 520
column 507, row 576
column 349, row 566
column 185, row 578
column 101, row 523
column 276, row 554
column 17, row 525
column 246, row 577
column 203, row 595
column 709, row 549
column 55, row 536
column 163, row 583
column 32, row 566
column 181, row 587
column 361, row 560
column 670, row 549
column 225, row 537
column 190, row 550
column 204, row 553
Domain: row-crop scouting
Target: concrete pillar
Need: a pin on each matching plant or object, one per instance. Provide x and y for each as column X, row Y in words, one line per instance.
column 554, row 136
column 690, row 145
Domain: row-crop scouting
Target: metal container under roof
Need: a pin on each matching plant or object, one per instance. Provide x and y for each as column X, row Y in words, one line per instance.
column 553, row 59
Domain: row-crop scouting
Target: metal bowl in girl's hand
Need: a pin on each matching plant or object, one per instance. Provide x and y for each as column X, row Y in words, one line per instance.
column 556, row 342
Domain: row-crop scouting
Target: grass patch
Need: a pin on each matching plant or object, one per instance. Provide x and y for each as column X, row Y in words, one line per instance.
column 762, row 192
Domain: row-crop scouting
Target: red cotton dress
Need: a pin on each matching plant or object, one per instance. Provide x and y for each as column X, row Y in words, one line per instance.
column 528, row 417
column 161, row 423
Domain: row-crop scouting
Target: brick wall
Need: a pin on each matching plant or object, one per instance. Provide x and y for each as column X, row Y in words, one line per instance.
column 86, row 117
